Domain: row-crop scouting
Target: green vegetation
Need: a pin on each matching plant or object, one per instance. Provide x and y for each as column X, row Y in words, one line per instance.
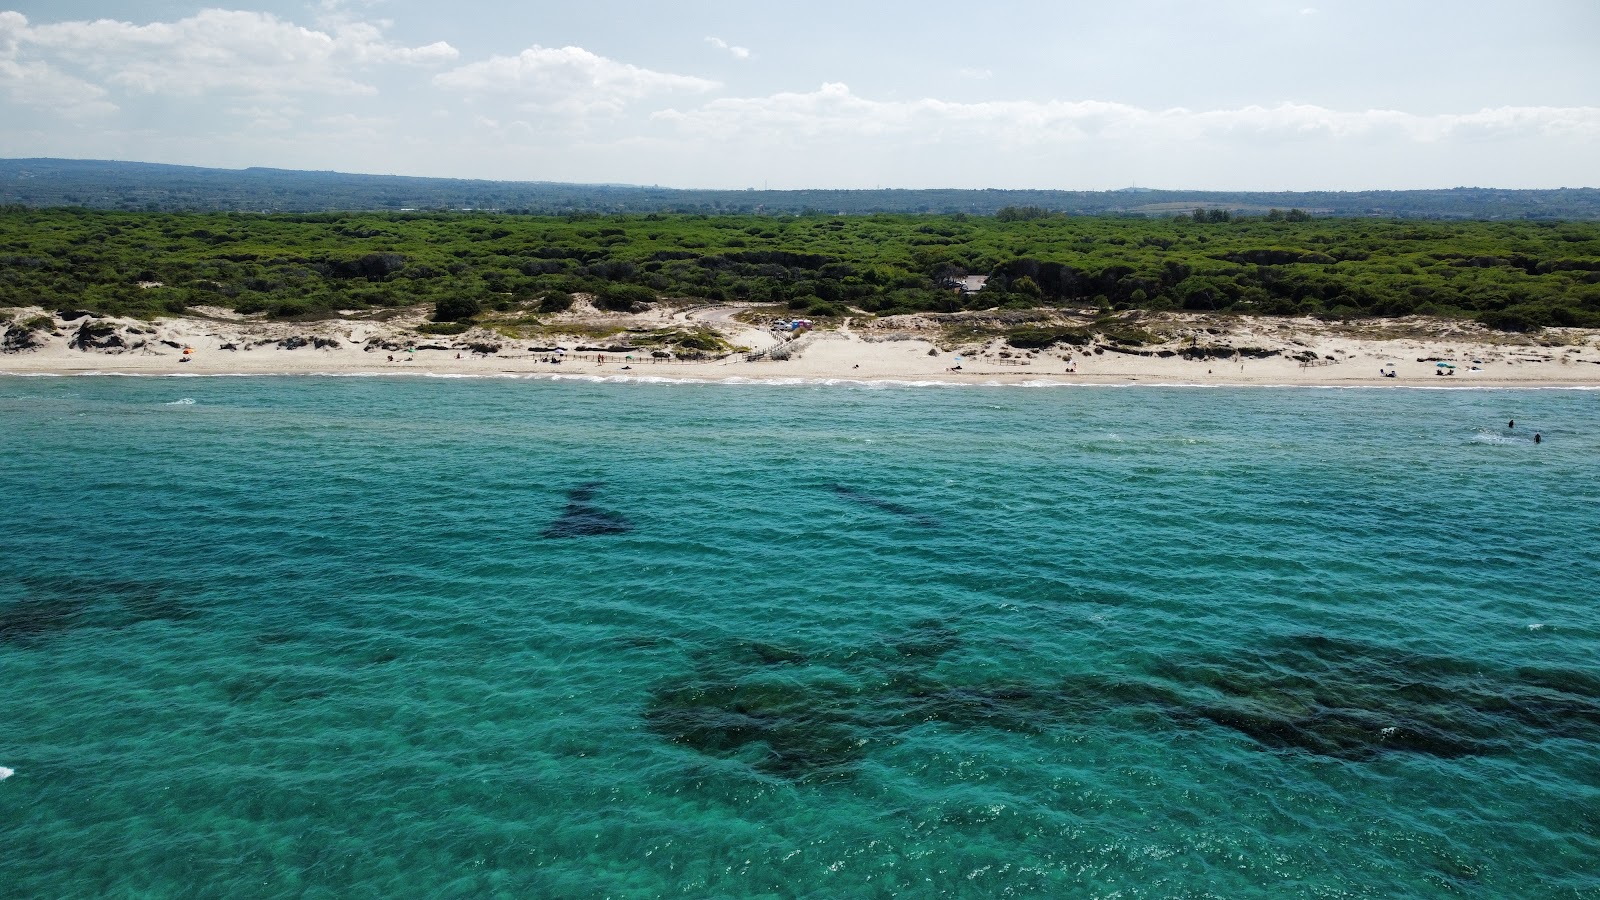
column 1510, row 275
column 456, row 327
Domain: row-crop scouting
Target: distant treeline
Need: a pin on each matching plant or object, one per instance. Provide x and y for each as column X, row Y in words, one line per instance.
column 1515, row 275
column 150, row 187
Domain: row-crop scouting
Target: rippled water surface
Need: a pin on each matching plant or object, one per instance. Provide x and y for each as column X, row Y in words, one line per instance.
column 345, row 637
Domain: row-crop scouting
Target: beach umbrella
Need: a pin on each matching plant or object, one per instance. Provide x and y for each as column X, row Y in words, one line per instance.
column 1444, row 366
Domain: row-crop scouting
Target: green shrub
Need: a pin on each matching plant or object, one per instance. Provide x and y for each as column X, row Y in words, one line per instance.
column 1034, row 337
column 455, row 308
column 555, row 302
column 703, row 341
column 290, row 309
column 623, row 297
column 1128, row 336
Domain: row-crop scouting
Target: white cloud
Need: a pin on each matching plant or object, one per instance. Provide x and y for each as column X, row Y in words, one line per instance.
column 565, row 79
column 36, row 83
column 269, row 116
column 834, row 111
column 364, row 42
column 221, row 50
column 736, row 52
column 12, row 25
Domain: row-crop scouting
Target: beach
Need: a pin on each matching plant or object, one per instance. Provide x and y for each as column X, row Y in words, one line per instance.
column 958, row 348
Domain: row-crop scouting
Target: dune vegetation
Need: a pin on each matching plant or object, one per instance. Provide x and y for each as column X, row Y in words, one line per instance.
column 1511, row 275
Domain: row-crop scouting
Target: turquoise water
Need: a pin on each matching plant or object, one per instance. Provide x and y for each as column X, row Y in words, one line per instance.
column 362, row 637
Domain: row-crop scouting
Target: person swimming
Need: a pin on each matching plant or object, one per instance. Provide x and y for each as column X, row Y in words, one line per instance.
column 1537, row 439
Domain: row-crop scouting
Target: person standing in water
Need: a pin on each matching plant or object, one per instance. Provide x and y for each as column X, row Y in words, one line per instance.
column 1512, row 424
column 1537, row 439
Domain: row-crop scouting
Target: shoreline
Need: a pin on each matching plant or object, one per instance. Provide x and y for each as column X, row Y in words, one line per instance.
column 909, row 351
column 974, row 380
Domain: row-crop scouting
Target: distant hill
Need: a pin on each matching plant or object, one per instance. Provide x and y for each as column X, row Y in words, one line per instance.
column 98, row 184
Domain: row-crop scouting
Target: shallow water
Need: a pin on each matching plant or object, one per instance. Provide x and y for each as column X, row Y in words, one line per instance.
column 353, row 637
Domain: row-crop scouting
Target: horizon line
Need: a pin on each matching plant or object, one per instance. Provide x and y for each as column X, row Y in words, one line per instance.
column 1131, row 189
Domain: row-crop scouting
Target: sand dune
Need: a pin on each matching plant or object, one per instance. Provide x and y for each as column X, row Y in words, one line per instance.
column 1188, row 350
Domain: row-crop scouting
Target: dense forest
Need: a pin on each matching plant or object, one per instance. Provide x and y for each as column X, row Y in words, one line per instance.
column 1510, row 275
column 152, row 187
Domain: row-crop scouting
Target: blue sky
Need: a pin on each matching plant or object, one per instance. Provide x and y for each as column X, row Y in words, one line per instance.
column 1230, row 94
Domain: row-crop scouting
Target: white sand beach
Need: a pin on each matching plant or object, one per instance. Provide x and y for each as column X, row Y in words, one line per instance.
column 956, row 348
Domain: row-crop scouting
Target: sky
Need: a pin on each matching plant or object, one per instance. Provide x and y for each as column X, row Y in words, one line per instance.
column 1198, row 95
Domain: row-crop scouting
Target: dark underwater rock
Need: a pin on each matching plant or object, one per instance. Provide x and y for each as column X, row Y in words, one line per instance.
column 905, row 512
column 54, row 606
column 773, row 655
column 36, row 618
column 1312, row 694
column 578, row 520
column 929, row 638
column 582, row 519
column 799, row 731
